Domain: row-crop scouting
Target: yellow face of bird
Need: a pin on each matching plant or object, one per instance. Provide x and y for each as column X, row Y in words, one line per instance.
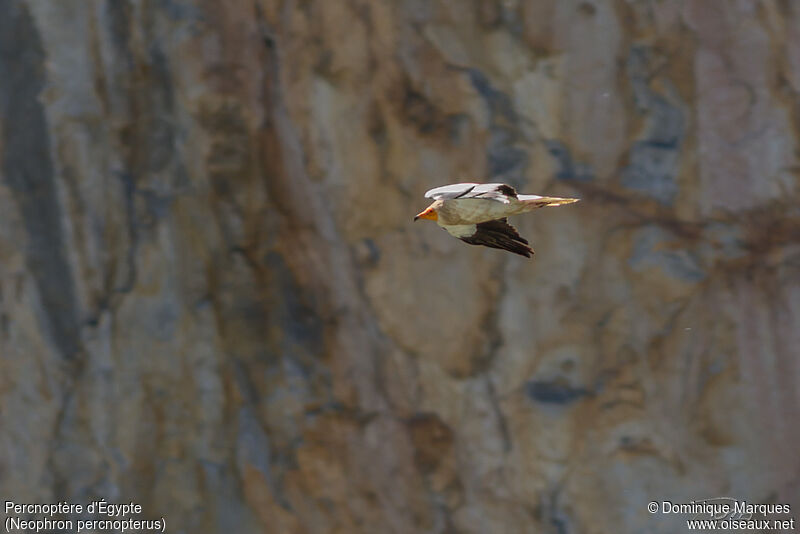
column 429, row 213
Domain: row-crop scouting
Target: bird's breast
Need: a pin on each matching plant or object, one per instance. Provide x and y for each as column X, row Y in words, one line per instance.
column 460, row 230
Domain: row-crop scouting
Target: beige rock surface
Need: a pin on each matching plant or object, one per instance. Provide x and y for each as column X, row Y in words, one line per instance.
column 213, row 301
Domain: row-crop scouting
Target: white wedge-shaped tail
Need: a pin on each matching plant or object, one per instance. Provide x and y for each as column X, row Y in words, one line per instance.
column 540, row 202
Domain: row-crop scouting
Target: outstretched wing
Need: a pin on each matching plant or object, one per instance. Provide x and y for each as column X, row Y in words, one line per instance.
column 499, row 234
column 499, row 192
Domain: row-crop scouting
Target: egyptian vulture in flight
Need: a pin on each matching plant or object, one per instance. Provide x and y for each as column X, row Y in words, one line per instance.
column 477, row 213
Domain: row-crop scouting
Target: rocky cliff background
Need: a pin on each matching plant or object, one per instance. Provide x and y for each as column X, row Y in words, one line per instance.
column 213, row 301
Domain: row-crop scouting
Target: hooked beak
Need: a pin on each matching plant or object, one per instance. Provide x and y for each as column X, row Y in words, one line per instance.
column 429, row 214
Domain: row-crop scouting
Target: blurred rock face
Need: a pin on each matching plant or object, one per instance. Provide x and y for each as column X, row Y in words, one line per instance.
column 213, row 301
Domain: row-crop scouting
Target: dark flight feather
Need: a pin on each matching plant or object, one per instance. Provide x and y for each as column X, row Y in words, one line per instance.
column 499, row 234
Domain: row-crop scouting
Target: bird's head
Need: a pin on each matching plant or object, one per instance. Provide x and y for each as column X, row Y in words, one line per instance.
column 429, row 213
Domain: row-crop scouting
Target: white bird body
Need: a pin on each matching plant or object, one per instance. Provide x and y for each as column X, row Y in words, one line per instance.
column 476, row 213
column 475, row 210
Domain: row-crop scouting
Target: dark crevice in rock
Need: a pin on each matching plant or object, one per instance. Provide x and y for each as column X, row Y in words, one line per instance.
column 552, row 514
column 568, row 168
column 413, row 106
column 654, row 160
column 29, row 173
column 506, row 157
column 506, row 153
column 296, row 311
column 499, row 103
column 129, row 191
column 118, row 12
column 554, row 392
column 502, row 424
